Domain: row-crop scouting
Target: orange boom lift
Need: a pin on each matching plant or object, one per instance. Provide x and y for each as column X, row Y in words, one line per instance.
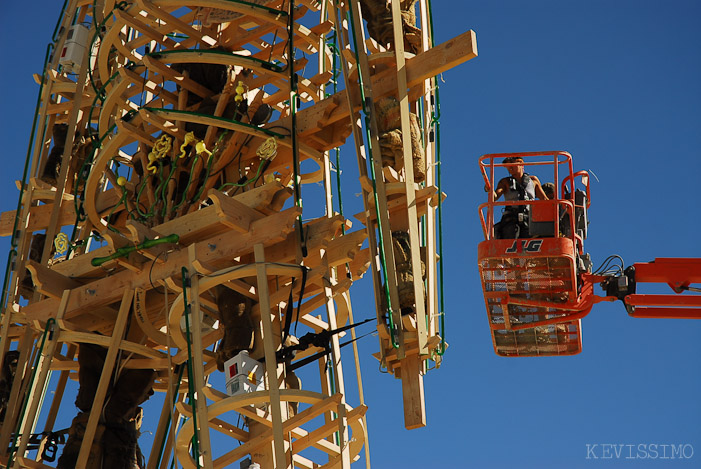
column 539, row 286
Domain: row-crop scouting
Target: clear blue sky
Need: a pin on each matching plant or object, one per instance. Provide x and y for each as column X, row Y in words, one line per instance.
column 617, row 85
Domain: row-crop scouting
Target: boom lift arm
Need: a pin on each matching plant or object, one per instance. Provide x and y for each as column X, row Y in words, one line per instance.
column 678, row 273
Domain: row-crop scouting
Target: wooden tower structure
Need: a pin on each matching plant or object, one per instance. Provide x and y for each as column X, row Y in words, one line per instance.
column 160, row 227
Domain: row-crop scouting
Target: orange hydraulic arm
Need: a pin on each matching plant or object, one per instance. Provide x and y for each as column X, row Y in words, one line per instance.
column 678, row 273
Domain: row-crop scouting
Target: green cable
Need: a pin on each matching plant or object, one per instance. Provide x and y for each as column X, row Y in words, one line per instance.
column 383, row 262
column 190, row 372
column 187, row 186
column 337, row 150
column 210, row 161
column 197, row 195
column 60, row 19
column 435, row 121
column 293, row 117
column 48, row 330
column 142, row 186
column 246, row 182
column 163, row 186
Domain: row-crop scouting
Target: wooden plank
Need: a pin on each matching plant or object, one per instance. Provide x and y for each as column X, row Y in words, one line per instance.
column 49, row 282
column 233, row 213
column 423, row 66
column 35, row 394
column 162, row 427
column 58, row 392
column 413, row 392
column 412, row 216
column 175, row 23
column 133, row 261
column 105, row 377
column 217, row 250
column 431, row 257
column 38, row 218
column 325, row 430
column 341, row 420
column 384, row 226
column 18, row 386
column 271, row 366
column 170, row 74
column 140, row 233
column 254, row 443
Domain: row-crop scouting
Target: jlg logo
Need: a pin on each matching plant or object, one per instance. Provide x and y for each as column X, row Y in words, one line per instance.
column 531, row 245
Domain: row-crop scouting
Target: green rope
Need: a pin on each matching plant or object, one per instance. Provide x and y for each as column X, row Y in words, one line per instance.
column 190, row 372
column 383, row 262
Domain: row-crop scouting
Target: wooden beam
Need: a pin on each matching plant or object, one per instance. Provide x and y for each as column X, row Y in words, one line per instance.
column 424, row 65
column 233, row 213
column 49, row 282
column 271, row 366
column 38, row 218
column 218, row 250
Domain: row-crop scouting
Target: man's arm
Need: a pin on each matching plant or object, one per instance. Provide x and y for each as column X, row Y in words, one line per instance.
column 501, row 188
column 539, row 192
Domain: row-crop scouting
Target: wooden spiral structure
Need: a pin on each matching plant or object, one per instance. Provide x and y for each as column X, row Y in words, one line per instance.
column 167, row 168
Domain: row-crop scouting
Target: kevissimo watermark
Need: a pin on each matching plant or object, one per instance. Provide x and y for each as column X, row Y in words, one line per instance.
column 639, row 451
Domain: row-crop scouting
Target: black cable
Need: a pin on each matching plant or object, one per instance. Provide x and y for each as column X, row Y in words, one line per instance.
column 150, row 271
column 605, row 266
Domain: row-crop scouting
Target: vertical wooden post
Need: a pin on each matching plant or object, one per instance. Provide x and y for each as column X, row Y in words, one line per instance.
column 337, row 368
column 409, row 178
column 58, row 393
column 42, row 372
column 197, row 363
column 344, row 302
column 413, row 392
column 20, row 381
column 429, row 98
column 383, row 219
column 271, row 368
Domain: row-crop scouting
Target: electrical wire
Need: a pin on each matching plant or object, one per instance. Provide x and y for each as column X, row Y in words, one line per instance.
column 606, row 267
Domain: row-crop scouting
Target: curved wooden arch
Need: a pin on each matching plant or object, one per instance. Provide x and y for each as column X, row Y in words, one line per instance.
column 258, row 11
column 111, row 148
column 236, row 403
column 216, row 57
column 212, row 280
